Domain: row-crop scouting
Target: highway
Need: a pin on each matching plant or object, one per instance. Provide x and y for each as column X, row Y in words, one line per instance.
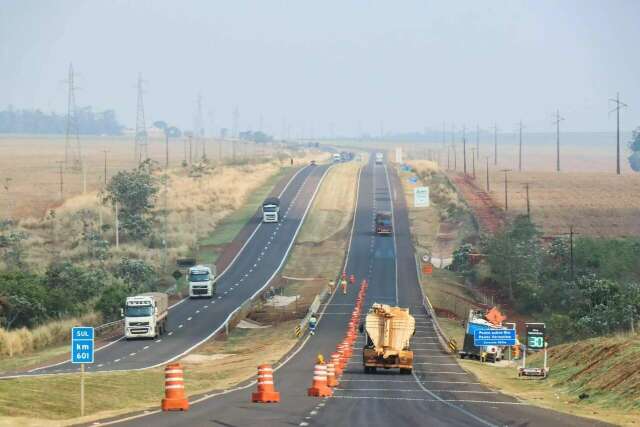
column 193, row 321
column 438, row 393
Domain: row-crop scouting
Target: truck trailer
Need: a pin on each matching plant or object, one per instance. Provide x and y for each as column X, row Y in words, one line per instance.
column 145, row 315
column 271, row 210
column 202, row 281
column 388, row 331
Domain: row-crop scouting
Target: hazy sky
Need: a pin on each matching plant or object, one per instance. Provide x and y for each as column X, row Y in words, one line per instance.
column 313, row 63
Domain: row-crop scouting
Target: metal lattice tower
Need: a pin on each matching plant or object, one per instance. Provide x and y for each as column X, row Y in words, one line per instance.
column 141, row 141
column 72, row 147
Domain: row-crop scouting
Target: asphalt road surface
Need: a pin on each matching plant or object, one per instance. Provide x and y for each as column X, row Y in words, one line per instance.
column 192, row 321
column 438, row 393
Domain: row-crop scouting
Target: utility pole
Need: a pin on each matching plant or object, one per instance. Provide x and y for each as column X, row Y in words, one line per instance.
column 495, row 144
column 487, row 158
column 464, row 150
column 455, row 158
column 117, row 227
column 473, row 161
column 557, row 122
column 571, row 252
column 448, row 157
column 190, row 149
column 619, row 106
column 526, row 186
column 199, row 131
column 61, row 177
column 478, row 140
column 141, row 141
column 520, row 148
column 105, row 167
column 506, row 189
column 72, row 149
column 166, row 149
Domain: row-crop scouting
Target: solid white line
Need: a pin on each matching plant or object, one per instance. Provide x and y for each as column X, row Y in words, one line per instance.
column 414, row 390
column 445, row 401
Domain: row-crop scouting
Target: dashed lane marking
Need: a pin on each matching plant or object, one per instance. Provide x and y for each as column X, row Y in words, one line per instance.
column 170, row 333
column 427, row 400
column 414, row 390
column 189, row 318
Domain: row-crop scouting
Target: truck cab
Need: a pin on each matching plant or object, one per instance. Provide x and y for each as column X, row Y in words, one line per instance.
column 271, row 210
column 379, row 158
column 145, row 315
column 201, row 281
column 384, row 223
column 337, row 158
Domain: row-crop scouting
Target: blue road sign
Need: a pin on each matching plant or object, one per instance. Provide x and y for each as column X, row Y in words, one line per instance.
column 82, row 344
column 413, row 179
column 482, row 337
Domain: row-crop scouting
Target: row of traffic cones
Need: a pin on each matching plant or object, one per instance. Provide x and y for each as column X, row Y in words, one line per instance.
column 326, row 376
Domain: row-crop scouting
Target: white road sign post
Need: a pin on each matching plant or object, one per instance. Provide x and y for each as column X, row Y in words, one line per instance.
column 421, row 197
column 82, row 347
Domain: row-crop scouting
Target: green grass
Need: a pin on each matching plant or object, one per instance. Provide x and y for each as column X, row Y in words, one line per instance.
column 231, row 225
column 11, row 364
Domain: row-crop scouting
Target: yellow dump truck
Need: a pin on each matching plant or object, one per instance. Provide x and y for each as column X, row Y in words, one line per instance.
column 388, row 331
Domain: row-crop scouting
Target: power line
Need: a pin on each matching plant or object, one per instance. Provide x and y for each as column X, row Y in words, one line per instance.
column 506, row 189
column 495, row 144
column 520, row 147
column 464, row 150
column 619, row 106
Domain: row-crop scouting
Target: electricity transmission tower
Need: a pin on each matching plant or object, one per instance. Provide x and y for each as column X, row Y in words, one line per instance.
column 141, row 142
column 557, row 123
column 72, row 147
column 619, row 106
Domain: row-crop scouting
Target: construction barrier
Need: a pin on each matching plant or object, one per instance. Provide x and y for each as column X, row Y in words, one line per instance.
column 331, row 376
column 175, row 399
column 453, row 345
column 427, row 268
column 266, row 392
column 337, row 364
column 319, row 386
column 298, row 330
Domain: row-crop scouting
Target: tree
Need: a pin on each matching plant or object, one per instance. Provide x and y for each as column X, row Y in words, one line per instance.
column 135, row 192
column 111, row 300
column 634, row 145
column 136, row 274
column 70, row 288
column 22, row 299
column 11, row 246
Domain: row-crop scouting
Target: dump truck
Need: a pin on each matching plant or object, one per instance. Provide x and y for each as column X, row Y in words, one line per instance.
column 271, row 209
column 383, row 223
column 202, row 281
column 145, row 315
column 388, row 331
column 482, row 319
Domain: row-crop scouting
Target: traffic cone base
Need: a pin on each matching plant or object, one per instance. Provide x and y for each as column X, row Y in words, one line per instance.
column 266, row 392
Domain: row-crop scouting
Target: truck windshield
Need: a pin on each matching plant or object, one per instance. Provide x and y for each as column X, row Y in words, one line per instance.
column 138, row 311
column 269, row 208
column 199, row 277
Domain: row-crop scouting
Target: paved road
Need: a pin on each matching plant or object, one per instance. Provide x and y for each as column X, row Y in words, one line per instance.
column 439, row 393
column 194, row 320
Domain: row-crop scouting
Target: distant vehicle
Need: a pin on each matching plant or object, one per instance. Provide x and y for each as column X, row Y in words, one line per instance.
column 346, row 156
column 388, row 332
column 379, row 158
column 271, row 210
column 475, row 322
column 384, row 223
column 337, row 158
column 202, row 281
column 145, row 315
column 313, row 162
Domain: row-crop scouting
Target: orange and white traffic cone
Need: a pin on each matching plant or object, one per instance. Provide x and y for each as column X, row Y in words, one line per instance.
column 337, row 364
column 319, row 386
column 174, row 397
column 332, row 381
column 266, row 392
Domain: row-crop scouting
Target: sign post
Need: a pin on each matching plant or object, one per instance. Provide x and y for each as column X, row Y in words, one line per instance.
column 82, row 348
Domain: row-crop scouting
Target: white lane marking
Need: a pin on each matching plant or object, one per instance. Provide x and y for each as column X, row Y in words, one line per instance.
column 445, row 401
column 220, row 297
column 100, row 365
column 254, row 266
column 160, row 340
column 189, row 318
column 197, row 311
column 132, row 354
column 179, row 326
column 116, row 361
column 438, row 364
column 170, row 333
column 205, row 307
column 408, row 381
column 414, row 390
column 145, row 347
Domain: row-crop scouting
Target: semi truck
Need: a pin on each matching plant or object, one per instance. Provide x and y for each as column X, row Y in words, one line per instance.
column 384, row 223
column 145, row 315
column 388, row 331
column 480, row 319
column 202, row 281
column 337, row 158
column 271, row 210
column 379, row 158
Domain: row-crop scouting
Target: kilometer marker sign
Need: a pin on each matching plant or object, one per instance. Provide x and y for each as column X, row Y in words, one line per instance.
column 82, row 344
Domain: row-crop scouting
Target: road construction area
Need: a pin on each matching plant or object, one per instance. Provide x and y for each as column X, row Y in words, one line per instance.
column 437, row 392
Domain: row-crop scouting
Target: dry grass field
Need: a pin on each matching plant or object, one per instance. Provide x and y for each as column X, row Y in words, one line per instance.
column 594, row 203
column 30, row 178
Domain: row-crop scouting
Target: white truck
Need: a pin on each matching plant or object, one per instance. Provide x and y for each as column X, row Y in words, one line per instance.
column 271, row 210
column 379, row 158
column 202, row 281
column 337, row 158
column 145, row 315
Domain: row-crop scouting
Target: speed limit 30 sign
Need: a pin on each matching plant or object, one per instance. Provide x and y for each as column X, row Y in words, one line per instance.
column 535, row 336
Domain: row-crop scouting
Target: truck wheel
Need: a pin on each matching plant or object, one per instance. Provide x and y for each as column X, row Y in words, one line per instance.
column 405, row 371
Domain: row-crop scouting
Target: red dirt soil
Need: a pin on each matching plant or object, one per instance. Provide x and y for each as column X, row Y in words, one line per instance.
column 490, row 217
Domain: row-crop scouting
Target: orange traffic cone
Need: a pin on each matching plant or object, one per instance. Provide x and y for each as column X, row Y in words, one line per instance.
column 319, row 386
column 266, row 392
column 337, row 364
column 174, row 399
column 332, row 381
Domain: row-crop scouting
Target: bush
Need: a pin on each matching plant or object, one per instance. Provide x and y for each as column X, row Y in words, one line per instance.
column 112, row 300
column 70, row 288
column 137, row 275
